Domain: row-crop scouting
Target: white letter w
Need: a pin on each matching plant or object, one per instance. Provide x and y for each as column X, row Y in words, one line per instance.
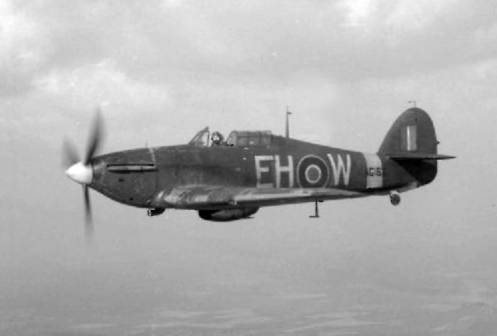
column 340, row 168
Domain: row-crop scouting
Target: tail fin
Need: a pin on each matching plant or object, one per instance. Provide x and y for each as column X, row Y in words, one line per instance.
column 412, row 142
column 412, row 132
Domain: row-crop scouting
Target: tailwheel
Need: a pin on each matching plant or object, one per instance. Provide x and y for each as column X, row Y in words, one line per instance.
column 394, row 197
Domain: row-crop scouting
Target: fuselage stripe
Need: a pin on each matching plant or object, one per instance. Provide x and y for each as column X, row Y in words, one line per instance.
column 374, row 171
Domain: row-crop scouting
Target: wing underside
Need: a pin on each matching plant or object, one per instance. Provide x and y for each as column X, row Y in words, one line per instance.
column 217, row 197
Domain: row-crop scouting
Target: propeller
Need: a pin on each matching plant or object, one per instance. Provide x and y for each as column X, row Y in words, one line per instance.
column 71, row 155
column 89, row 229
column 81, row 171
column 95, row 138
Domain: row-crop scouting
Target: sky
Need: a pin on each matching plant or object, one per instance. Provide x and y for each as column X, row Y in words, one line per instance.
column 162, row 70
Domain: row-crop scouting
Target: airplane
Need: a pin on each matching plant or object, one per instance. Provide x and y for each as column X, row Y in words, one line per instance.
column 252, row 169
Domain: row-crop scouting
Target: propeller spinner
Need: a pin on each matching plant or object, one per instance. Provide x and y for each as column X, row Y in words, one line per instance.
column 82, row 171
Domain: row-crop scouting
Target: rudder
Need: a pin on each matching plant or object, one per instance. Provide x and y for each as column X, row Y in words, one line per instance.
column 412, row 143
column 412, row 133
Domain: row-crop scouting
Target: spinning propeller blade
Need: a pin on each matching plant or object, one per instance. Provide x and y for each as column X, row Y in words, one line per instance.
column 70, row 154
column 82, row 171
column 95, row 138
column 89, row 231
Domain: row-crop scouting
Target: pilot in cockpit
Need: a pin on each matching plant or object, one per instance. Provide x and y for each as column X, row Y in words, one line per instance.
column 217, row 139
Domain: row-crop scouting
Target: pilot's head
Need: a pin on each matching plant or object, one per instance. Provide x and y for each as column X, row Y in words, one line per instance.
column 217, row 138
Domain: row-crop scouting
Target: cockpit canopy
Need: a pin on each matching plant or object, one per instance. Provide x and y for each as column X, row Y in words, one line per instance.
column 236, row 138
column 250, row 138
column 201, row 139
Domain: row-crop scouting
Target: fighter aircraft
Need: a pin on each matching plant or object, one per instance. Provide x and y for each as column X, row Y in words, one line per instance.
column 232, row 179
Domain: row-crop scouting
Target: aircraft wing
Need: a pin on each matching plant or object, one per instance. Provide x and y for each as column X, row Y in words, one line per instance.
column 209, row 197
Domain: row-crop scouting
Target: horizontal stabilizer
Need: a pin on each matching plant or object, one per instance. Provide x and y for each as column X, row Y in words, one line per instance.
column 418, row 156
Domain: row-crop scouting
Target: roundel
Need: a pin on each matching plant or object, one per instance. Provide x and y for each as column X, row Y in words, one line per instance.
column 312, row 172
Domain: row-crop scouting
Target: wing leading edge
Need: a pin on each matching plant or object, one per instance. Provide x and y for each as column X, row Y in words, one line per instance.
column 218, row 197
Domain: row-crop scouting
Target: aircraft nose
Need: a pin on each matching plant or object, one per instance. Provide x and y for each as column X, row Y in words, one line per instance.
column 80, row 173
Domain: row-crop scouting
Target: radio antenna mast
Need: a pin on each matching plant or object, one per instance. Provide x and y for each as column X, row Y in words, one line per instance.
column 287, row 125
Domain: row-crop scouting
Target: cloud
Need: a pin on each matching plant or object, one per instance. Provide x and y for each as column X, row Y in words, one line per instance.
column 23, row 45
column 356, row 12
column 103, row 84
column 172, row 3
column 409, row 16
column 213, row 58
column 180, row 41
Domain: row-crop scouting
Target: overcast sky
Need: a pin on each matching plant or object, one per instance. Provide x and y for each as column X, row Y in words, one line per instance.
column 162, row 70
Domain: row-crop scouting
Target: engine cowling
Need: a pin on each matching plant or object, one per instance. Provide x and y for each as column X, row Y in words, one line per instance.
column 226, row 215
